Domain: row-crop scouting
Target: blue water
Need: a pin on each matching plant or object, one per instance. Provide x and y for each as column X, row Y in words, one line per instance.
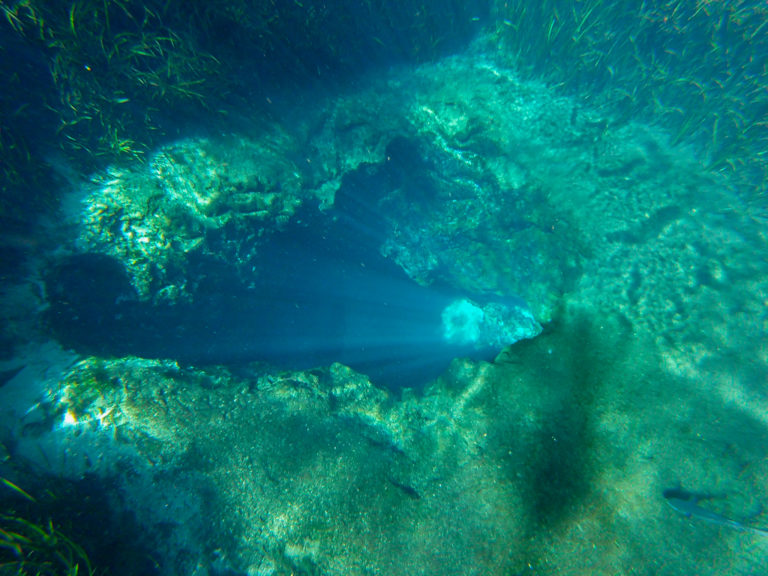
column 329, row 296
column 383, row 288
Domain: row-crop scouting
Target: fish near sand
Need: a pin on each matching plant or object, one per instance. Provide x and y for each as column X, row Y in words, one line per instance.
column 687, row 504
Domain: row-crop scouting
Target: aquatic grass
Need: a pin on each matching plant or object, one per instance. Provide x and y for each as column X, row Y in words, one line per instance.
column 17, row 490
column 695, row 68
column 113, row 79
column 116, row 67
column 30, row 547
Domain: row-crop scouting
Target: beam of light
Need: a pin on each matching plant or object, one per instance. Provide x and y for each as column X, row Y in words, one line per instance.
column 321, row 292
column 375, row 319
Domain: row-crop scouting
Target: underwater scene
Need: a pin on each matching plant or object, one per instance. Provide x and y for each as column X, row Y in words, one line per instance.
column 367, row 288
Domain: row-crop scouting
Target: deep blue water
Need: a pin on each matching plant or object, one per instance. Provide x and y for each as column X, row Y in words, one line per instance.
column 329, row 296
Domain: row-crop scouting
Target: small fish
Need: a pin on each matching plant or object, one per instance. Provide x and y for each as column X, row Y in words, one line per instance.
column 406, row 489
column 687, row 504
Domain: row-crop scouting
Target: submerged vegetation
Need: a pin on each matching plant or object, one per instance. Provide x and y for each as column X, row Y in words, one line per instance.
column 110, row 80
column 37, row 547
column 104, row 81
column 697, row 69
column 56, row 526
column 115, row 66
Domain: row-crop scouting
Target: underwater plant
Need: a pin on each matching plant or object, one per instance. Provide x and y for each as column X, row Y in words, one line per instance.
column 694, row 68
column 115, row 67
column 31, row 547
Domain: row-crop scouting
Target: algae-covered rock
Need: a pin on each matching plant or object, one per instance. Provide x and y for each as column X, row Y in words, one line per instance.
column 314, row 470
column 437, row 146
column 194, row 198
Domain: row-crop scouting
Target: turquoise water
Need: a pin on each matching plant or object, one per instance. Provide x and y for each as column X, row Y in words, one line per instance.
column 363, row 289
